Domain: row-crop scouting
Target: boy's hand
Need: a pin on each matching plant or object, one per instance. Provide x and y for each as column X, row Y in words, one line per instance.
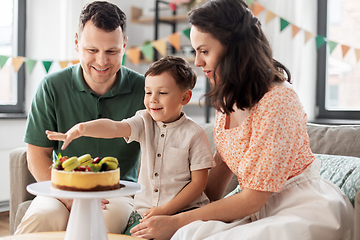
column 74, row 133
column 154, row 211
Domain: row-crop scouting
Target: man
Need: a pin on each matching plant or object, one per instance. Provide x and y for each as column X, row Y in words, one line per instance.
column 98, row 87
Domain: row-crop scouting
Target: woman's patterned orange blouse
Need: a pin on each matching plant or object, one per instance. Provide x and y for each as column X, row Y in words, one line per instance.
column 271, row 146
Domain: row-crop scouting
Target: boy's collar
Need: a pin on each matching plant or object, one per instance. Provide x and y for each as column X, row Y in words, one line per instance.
column 173, row 124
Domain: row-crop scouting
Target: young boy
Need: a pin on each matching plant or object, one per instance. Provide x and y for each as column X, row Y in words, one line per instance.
column 175, row 152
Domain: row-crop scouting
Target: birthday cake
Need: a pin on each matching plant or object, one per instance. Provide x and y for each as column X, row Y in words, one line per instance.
column 85, row 174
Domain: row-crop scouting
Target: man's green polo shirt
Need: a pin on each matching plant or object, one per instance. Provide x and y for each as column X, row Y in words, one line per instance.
column 63, row 99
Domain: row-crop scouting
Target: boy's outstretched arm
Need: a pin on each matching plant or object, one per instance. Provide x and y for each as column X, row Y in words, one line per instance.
column 188, row 194
column 100, row 128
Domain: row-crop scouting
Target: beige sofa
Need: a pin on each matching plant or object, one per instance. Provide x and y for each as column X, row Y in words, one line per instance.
column 331, row 144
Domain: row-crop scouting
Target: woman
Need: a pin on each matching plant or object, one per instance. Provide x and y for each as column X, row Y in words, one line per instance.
column 260, row 135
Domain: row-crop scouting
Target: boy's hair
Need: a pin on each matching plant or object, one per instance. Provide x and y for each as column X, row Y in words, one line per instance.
column 179, row 68
column 104, row 15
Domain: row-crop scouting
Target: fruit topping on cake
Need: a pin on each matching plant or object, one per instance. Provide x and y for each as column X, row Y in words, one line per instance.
column 86, row 163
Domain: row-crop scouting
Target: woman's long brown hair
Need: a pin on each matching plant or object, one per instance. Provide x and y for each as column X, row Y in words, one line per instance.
column 246, row 68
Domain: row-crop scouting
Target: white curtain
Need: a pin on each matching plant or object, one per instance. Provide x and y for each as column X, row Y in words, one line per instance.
column 299, row 57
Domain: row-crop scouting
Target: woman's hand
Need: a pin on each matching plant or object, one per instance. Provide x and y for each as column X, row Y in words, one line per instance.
column 157, row 227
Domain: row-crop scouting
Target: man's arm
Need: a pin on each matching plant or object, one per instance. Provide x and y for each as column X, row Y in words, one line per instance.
column 100, row 128
column 188, row 194
column 39, row 162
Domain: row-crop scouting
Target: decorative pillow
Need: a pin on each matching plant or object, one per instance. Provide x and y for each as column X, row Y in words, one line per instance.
column 235, row 191
column 343, row 171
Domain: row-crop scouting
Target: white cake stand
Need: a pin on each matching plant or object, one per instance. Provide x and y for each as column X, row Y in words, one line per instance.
column 86, row 221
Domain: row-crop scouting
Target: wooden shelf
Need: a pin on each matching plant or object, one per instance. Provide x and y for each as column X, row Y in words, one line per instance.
column 136, row 16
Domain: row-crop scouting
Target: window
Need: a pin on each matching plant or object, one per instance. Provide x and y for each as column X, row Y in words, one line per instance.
column 12, row 44
column 338, row 78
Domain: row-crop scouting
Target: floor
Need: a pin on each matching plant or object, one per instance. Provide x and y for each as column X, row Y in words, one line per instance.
column 4, row 224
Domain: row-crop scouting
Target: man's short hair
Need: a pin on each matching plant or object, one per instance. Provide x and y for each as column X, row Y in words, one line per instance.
column 104, row 15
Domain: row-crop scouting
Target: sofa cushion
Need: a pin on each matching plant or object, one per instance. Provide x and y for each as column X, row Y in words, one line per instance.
column 341, row 140
column 20, row 177
column 23, row 207
column 343, row 171
column 235, row 191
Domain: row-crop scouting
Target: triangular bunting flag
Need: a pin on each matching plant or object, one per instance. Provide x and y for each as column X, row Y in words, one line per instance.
column 269, row 16
column 295, row 30
column 148, row 51
column 123, row 60
column 3, row 60
column 63, row 64
column 47, row 65
column 308, row 35
column 357, row 53
column 283, row 24
column 74, row 62
column 320, row 40
column 249, row 2
column 174, row 40
column 186, row 32
column 160, row 46
column 30, row 64
column 172, row 6
column 344, row 49
column 257, row 9
column 332, row 46
column 17, row 62
column 134, row 55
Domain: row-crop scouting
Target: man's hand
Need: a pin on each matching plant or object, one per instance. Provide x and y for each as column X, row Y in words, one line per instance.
column 69, row 202
column 73, row 133
column 103, row 203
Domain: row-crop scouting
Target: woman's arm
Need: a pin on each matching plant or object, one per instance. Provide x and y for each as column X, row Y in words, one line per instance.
column 188, row 194
column 237, row 206
column 219, row 178
column 228, row 209
column 100, row 128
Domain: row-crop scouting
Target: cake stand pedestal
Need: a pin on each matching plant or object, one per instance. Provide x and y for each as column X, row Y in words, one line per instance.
column 86, row 221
